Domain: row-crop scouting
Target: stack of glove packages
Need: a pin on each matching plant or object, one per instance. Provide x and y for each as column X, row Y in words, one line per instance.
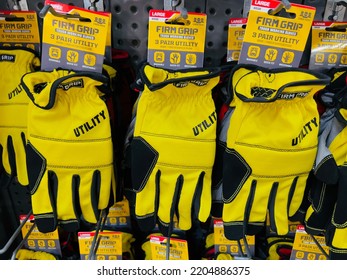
column 172, row 147
column 327, row 213
column 14, row 63
column 268, row 142
column 69, row 148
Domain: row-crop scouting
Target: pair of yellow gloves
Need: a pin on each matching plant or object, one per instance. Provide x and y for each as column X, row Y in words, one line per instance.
column 55, row 134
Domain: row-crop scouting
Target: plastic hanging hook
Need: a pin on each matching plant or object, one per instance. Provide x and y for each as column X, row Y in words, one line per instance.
column 92, row 6
column 49, row 8
column 175, row 4
column 16, row 5
column 284, row 4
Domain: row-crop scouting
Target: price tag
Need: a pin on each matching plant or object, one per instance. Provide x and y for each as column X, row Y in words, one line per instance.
column 19, row 29
column 272, row 40
column 329, row 45
column 110, row 245
column 38, row 241
column 175, row 42
column 74, row 43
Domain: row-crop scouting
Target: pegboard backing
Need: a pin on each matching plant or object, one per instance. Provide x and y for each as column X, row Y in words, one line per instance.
column 130, row 26
column 319, row 5
column 218, row 15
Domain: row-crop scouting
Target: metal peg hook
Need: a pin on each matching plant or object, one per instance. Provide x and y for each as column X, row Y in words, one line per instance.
column 284, row 4
column 175, row 4
column 15, row 234
column 92, row 6
column 49, row 8
column 16, row 5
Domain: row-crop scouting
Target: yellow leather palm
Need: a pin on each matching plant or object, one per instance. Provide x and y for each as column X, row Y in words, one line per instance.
column 14, row 63
column 69, row 150
column 271, row 147
column 173, row 148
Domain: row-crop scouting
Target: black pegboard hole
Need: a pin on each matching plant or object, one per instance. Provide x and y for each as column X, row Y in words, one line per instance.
column 134, row 25
column 120, row 42
column 135, row 43
column 117, row 9
column 40, row 5
column 148, row 8
column 210, row 27
column 119, row 25
column 210, row 44
column 133, row 9
column 197, row 10
column 212, row 11
column 228, row 12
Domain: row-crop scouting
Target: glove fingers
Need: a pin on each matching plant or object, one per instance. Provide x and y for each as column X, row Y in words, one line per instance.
column 68, row 209
column 296, row 194
column 336, row 235
column 5, row 159
column 319, row 213
column 236, row 214
column 195, row 199
column 146, row 203
column 17, row 157
column 43, row 200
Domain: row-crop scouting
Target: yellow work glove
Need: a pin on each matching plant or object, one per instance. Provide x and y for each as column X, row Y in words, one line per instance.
column 173, row 147
column 26, row 254
column 14, row 63
column 69, row 150
column 271, row 145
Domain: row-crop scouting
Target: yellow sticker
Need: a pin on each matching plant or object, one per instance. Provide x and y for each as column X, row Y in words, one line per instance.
column 305, row 248
column 119, row 215
column 109, row 248
column 85, row 39
column 178, row 248
column 276, row 41
column 224, row 245
column 328, row 45
column 175, row 42
column 236, row 32
column 38, row 241
column 19, row 28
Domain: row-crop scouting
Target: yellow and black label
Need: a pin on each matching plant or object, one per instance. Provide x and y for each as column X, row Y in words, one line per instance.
column 75, row 43
column 232, row 247
column 19, row 28
column 305, row 247
column 176, row 41
column 328, row 45
column 38, row 241
column 109, row 245
column 236, row 32
column 119, row 216
column 178, row 248
column 272, row 40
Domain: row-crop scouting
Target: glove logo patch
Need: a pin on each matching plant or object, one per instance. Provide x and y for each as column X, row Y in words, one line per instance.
column 7, row 57
column 307, row 128
column 75, row 83
column 205, row 124
column 199, row 83
column 292, row 95
column 87, row 126
column 262, row 92
column 15, row 92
